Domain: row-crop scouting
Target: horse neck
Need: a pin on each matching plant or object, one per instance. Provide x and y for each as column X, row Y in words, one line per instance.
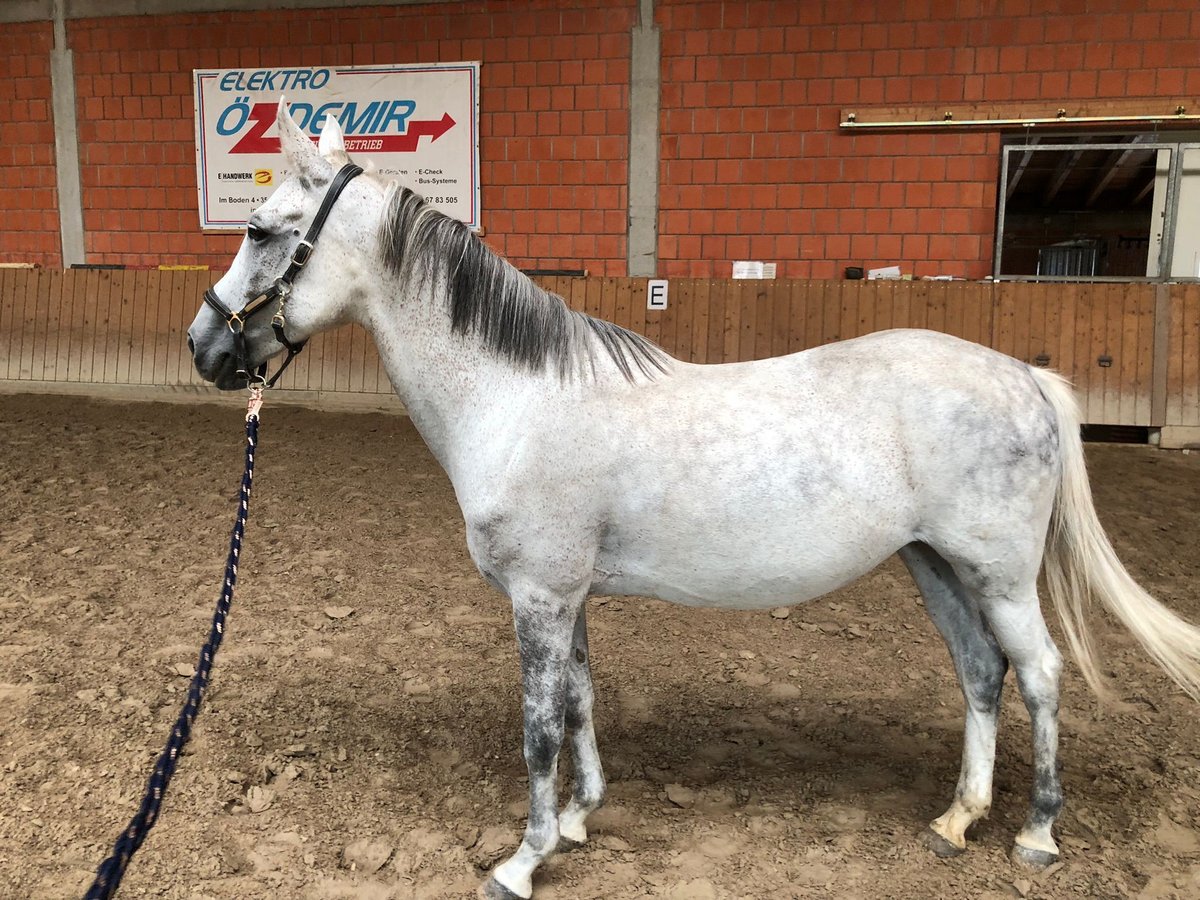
column 454, row 389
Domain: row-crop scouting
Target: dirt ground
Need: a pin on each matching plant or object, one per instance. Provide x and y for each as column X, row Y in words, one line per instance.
column 362, row 735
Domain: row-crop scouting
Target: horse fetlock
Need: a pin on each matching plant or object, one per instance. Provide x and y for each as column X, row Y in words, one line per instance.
column 571, row 827
column 952, row 825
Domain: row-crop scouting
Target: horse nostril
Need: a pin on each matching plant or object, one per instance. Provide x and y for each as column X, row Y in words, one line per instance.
column 191, row 345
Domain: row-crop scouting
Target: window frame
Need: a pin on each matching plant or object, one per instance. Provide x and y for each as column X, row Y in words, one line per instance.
column 1170, row 208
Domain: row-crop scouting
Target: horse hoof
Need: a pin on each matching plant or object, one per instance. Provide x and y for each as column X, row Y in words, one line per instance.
column 566, row 845
column 494, row 890
column 941, row 847
column 1032, row 860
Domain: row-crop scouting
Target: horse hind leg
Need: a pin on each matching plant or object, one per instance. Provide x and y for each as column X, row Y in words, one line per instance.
column 1016, row 620
column 981, row 666
column 589, row 788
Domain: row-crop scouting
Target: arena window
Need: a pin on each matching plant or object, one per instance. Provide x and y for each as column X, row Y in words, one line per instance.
column 1099, row 207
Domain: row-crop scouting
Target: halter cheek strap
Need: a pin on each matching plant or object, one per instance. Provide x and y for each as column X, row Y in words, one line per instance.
column 279, row 291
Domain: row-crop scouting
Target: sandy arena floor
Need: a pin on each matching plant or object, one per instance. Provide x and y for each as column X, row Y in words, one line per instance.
column 365, row 706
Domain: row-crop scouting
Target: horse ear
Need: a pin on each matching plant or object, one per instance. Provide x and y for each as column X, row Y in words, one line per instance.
column 302, row 156
column 331, row 138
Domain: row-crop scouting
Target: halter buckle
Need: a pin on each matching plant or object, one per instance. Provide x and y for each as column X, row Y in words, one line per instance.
column 301, row 254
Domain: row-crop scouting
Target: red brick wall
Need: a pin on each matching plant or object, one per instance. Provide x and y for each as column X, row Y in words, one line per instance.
column 754, row 167
column 28, row 197
column 554, row 125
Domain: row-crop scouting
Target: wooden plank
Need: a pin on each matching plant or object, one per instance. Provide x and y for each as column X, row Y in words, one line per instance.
column 139, row 323
column 733, row 322
column 345, row 339
column 117, row 309
column 158, row 318
column 623, row 309
column 813, row 325
column 831, row 303
column 882, row 310
column 608, row 298
column 1094, row 337
column 1172, row 389
column 1189, row 348
column 32, row 320
column 701, row 308
column 8, row 281
column 52, row 316
column 175, row 349
column 864, row 314
column 798, row 316
column 1053, row 323
column 1113, row 295
column 1160, row 354
column 668, row 325
column 370, row 375
column 681, row 297
column 1003, row 340
column 903, row 310
column 747, row 321
column 717, row 291
column 83, row 315
column 27, row 313
column 1143, row 408
column 637, row 309
column 19, row 284
column 1023, row 303
column 592, row 289
column 69, row 326
column 1062, row 353
column 781, row 318
column 935, row 306
column 850, row 296
column 1132, row 314
column 1081, row 343
column 85, row 338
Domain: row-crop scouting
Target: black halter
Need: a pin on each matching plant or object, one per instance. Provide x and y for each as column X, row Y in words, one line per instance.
column 279, row 290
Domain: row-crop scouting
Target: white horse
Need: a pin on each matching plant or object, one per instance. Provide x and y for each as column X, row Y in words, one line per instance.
column 588, row 461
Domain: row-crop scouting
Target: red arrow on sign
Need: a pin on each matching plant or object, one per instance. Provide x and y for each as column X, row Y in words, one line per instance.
column 262, row 115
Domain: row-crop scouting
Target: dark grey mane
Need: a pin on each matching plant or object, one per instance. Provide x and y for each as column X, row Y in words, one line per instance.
column 528, row 326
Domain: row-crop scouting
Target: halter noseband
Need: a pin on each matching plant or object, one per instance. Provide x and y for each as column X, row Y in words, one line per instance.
column 279, row 290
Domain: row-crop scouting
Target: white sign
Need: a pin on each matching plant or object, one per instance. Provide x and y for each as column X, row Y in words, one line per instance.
column 656, row 293
column 748, row 268
column 418, row 123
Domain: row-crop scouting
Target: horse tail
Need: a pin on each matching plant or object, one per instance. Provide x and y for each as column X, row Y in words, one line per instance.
column 1081, row 566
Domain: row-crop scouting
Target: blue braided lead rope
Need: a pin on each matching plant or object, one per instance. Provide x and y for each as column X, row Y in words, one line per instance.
column 110, row 872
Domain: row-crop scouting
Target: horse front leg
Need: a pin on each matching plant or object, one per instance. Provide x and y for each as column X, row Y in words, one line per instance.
column 589, row 773
column 545, row 623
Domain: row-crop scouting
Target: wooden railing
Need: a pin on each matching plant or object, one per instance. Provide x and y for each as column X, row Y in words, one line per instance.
column 1132, row 350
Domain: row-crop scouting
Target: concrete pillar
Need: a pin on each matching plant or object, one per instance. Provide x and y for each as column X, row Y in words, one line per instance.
column 66, row 143
column 643, row 144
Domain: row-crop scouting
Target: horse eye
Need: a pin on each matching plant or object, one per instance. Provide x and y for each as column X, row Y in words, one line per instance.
column 256, row 234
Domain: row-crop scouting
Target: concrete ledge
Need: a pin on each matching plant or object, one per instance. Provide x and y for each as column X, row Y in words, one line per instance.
column 328, row 401
column 1179, row 437
column 42, row 10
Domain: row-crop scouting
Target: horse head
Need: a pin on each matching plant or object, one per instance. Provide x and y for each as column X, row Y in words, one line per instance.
column 275, row 277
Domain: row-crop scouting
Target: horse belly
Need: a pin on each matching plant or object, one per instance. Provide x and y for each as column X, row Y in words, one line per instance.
column 747, row 569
